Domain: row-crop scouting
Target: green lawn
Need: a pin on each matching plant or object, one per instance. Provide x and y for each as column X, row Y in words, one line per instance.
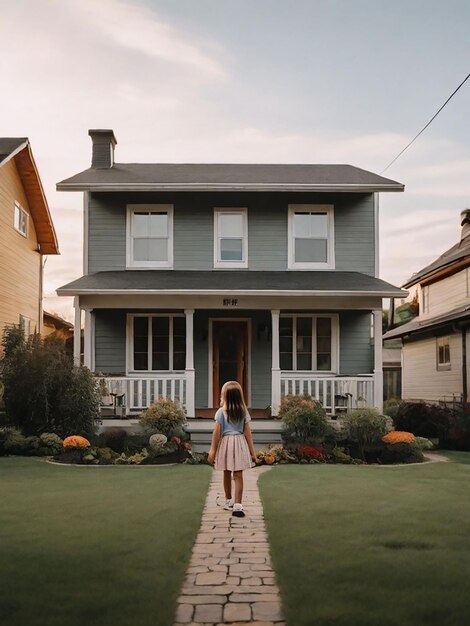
column 103, row 546
column 371, row 546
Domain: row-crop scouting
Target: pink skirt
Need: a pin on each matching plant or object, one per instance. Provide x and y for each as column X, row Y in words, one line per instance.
column 233, row 454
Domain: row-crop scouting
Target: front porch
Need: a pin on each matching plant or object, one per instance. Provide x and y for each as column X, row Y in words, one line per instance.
column 128, row 396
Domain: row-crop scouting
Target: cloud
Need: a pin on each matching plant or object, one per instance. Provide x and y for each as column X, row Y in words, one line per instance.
column 139, row 28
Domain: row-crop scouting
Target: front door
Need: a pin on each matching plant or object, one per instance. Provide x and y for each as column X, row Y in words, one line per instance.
column 229, row 356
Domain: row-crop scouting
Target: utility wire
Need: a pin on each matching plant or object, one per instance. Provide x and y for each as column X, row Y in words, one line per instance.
column 424, row 128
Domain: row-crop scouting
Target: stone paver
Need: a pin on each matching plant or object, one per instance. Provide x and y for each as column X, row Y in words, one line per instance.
column 230, row 579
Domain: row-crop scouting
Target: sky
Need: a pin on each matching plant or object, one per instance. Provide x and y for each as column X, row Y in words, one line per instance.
column 247, row 81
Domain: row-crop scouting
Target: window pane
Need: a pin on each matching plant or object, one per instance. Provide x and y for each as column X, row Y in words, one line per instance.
column 304, row 326
column 179, row 361
column 304, row 344
column 141, row 249
column 160, row 343
column 302, row 225
column 140, row 225
column 179, row 326
column 311, row 250
column 319, row 225
column 231, row 250
column 230, row 225
column 324, row 362
column 286, row 360
column 285, row 344
column 158, row 249
column 140, row 343
column 324, row 343
column 285, row 326
column 324, row 327
column 304, row 361
column 158, row 225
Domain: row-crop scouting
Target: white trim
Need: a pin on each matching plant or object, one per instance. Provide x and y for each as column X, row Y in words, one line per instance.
column 86, row 199
column 335, row 347
column 130, row 371
column 377, row 235
column 210, row 356
column 378, row 359
column 231, row 264
column 76, row 331
column 87, row 340
column 346, row 187
column 18, row 207
column 157, row 208
column 275, row 369
column 189, row 366
column 311, row 208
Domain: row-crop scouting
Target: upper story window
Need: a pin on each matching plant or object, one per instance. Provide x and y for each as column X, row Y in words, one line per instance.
column 443, row 353
column 21, row 220
column 149, row 235
column 157, row 343
column 230, row 238
column 311, row 236
column 308, row 342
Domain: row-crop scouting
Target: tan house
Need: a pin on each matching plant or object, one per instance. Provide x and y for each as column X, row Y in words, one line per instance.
column 26, row 236
column 435, row 354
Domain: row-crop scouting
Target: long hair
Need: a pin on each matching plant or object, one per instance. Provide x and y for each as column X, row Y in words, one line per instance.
column 232, row 400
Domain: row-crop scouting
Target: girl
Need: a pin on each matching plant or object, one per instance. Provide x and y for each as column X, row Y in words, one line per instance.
column 232, row 443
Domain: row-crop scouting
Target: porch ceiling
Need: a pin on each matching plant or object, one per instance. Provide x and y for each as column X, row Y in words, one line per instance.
column 331, row 283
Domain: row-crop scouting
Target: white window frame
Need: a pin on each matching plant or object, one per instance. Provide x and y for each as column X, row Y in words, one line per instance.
column 311, row 208
column 130, row 344
column 18, row 211
column 156, row 208
column 334, row 342
column 230, row 264
column 443, row 341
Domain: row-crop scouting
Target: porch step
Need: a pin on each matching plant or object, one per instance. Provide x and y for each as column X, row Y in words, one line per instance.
column 265, row 432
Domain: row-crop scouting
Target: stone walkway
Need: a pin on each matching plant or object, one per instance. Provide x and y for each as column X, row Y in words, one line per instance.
column 230, row 579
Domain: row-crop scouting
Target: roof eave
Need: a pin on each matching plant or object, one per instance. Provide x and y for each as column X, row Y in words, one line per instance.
column 341, row 188
column 64, row 291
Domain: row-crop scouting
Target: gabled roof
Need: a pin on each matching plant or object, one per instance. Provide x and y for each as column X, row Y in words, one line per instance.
column 416, row 325
column 228, row 177
column 19, row 149
column 231, row 283
column 453, row 256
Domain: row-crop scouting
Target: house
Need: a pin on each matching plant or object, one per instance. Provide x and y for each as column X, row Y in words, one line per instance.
column 435, row 359
column 195, row 274
column 26, row 235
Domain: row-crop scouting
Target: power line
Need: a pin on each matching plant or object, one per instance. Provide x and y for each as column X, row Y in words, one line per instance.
column 424, row 127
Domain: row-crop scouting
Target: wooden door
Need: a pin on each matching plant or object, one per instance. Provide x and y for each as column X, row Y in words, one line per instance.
column 229, row 356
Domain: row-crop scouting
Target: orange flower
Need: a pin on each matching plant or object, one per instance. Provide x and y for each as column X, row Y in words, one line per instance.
column 269, row 458
column 398, row 436
column 75, row 441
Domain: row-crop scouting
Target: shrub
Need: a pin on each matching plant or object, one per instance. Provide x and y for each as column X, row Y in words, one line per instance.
column 398, row 436
column 423, row 419
column 312, row 453
column 304, row 418
column 156, row 442
column 365, row 427
column 423, row 443
column 43, row 390
column 391, row 407
column 75, row 441
column 114, row 438
column 401, row 453
column 52, row 442
column 458, row 436
column 164, row 416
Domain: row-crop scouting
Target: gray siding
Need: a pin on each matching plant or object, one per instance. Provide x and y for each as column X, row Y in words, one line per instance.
column 110, row 341
column 356, row 349
column 267, row 228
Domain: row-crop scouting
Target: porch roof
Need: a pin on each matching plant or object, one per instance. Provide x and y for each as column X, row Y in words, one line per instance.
column 229, row 282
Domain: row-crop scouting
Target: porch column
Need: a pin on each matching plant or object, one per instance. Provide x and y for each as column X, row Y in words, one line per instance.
column 189, row 370
column 76, row 331
column 88, row 332
column 378, row 372
column 275, row 369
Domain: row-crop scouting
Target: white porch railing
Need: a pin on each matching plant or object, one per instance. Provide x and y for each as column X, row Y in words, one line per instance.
column 136, row 394
column 335, row 393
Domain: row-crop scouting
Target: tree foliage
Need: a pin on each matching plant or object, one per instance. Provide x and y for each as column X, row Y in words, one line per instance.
column 43, row 390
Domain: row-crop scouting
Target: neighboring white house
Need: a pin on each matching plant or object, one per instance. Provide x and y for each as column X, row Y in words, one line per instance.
column 435, row 361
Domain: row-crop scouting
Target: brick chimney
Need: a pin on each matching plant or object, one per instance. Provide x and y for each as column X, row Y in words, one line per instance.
column 103, row 148
column 465, row 223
